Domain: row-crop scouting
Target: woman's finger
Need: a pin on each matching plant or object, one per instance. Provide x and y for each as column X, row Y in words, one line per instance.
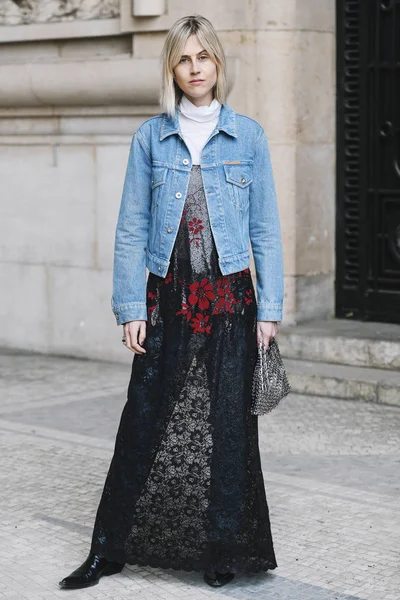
column 134, row 340
column 127, row 334
column 142, row 333
column 265, row 332
column 260, row 336
column 267, row 338
column 138, row 349
column 131, row 333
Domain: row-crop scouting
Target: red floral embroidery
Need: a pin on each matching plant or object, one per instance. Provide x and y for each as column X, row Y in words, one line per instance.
column 183, row 216
column 202, row 293
column 185, row 311
column 248, row 296
column 205, row 297
column 153, row 296
column 225, row 303
column 150, row 308
column 200, row 323
column 226, row 298
column 195, row 226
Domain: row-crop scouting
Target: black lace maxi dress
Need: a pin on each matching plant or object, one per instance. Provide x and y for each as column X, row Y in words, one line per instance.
column 185, row 488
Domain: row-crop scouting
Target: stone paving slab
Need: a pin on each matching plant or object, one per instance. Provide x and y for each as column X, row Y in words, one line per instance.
column 331, row 473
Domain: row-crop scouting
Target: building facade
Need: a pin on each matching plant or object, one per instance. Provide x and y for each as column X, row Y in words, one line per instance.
column 76, row 80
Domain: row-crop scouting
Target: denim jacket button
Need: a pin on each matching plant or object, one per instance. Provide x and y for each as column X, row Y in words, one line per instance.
column 169, row 229
column 160, row 268
column 185, row 161
column 178, row 195
column 243, row 180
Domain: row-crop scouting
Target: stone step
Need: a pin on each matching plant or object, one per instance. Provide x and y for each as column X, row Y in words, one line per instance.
column 317, row 378
column 355, row 343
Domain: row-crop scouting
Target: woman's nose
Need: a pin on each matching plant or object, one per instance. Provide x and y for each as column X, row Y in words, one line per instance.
column 195, row 67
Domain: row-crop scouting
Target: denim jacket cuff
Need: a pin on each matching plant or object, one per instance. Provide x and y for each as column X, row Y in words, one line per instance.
column 133, row 311
column 269, row 312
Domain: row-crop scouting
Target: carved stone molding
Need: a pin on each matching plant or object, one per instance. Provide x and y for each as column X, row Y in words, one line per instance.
column 51, row 19
column 119, row 82
column 25, row 12
column 60, row 31
column 93, row 83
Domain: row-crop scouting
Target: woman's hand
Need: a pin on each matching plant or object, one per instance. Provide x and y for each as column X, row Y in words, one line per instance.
column 265, row 331
column 135, row 334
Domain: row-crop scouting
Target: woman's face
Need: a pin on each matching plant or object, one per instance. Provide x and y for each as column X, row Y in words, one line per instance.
column 196, row 73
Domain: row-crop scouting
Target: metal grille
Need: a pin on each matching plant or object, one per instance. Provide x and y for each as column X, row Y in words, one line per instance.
column 368, row 160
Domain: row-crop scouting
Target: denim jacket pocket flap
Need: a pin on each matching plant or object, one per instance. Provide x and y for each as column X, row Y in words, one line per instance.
column 158, row 176
column 241, row 175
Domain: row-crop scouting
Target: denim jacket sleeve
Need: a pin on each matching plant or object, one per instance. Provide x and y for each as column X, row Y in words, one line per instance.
column 265, row 235
column 129, row 274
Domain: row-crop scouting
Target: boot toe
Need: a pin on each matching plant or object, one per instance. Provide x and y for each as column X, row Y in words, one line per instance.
column 89, row 572
column 77, row 581
column 216, row 579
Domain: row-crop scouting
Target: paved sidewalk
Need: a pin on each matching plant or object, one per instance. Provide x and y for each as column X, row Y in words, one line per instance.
column 331, row 472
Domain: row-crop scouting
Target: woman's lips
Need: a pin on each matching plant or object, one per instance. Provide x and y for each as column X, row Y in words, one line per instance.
column 196, row 82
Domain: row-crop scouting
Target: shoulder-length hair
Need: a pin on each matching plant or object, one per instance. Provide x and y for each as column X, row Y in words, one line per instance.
column 181, row 30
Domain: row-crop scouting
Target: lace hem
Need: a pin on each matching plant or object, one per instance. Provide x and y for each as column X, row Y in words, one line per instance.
column 237, row 564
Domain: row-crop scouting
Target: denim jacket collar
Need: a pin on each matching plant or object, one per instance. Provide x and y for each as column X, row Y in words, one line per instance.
column 226, row 122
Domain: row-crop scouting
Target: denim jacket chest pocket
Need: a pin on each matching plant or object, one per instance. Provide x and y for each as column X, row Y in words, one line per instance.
column 158, row 179
column 238, row 179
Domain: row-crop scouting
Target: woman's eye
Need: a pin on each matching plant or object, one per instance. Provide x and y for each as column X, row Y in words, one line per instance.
column 203, row 57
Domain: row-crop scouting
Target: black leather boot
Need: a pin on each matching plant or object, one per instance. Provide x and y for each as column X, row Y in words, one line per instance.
column 90, row 572
column 216, row 579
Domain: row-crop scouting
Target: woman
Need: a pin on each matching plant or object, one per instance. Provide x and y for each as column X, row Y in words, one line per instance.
column 185, row 488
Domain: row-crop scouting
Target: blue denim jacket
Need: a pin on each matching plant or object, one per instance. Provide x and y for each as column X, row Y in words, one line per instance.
column 240, row 194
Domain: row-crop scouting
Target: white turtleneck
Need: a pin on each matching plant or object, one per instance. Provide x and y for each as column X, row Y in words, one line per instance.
column 197, row 123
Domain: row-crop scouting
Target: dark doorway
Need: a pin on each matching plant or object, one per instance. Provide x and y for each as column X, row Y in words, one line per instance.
column 368, row 160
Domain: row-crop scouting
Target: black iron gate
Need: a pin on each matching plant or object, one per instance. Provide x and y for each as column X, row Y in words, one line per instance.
column 368, row 160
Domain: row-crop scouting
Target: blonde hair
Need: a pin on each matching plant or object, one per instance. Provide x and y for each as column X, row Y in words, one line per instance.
column 177, row 36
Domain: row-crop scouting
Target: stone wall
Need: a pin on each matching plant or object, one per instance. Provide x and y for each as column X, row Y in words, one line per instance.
column 72, row 94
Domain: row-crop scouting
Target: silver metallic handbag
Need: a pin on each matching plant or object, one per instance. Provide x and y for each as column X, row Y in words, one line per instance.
column 270, row 383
